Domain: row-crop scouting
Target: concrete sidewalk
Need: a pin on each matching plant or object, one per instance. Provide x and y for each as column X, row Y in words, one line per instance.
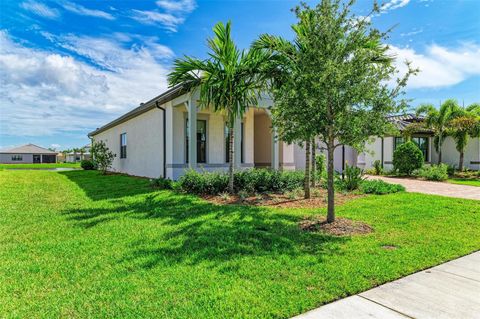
column 433, row 188
column 451, row 290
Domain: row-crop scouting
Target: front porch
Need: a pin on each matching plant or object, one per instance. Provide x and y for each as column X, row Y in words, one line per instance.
column 255, row 142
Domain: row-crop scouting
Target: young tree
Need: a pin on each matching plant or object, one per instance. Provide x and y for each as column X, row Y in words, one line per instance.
column 102, row 156
column 229, row 80
column 437, row 120
column 344, row 76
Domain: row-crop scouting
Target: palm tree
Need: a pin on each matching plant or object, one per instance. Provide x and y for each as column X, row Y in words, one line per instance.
column 464, row 124
column 282, row 70
column 229, row 80
column 437, row 120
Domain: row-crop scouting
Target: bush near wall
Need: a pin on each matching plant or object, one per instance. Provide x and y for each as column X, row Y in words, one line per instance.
column 434, row 172
column 251, row 181
column 407, row 158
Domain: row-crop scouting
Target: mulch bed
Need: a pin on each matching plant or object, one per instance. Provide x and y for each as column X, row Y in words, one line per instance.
column 340, row 227
column 282, row 201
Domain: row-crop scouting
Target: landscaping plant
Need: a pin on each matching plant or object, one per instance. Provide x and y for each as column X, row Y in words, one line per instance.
column 434, row 172
column 87, row 164
column 407, row 158
column 379, row 187
column 352, row 177
column 377, row 165
column 337, row 85
column 102, row 156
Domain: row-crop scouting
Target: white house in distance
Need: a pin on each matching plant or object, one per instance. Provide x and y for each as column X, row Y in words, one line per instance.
column 154, row 140
column 27, row 154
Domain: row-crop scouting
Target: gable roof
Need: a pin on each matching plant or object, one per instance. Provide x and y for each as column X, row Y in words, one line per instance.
column 166, row 96
column 28, row 149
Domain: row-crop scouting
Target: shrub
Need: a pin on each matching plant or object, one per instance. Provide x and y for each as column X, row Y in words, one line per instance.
column 320, row 165
column 451, row 170
column 87, row 165
column 379, row 187
column 407, row 158
column 249, row 181
column 434, row 172
column 377, row 165
column 161, row 183
column 353, row 177
column 102, row 156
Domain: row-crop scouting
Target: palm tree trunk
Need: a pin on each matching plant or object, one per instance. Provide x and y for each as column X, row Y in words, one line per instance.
column 306, row 182
column 330, row 182
column 231, row 157
column 460, row 163
column 314, row 146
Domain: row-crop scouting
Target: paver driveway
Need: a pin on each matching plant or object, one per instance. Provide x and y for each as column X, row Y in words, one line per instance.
column 451, row 290
column 434, row 188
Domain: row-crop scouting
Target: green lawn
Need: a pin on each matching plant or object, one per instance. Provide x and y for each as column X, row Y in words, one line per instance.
column 37, row 166
column 78, row 245
column 465, row 181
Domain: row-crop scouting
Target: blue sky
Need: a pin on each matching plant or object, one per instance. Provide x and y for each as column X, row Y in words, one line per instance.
column 67, row 67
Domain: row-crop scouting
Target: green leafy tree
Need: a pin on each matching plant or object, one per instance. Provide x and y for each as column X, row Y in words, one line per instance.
column 340, row 89
column 229, row 80
column 102, row 156
column 407, row 158
column 464, row 124
column 437, row 120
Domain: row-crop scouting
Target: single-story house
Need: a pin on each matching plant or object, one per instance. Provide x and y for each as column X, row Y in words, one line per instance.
column 27, row 154
column 382, row 148
column 154, row 140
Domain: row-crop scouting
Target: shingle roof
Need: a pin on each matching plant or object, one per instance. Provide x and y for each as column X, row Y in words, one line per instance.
column 28, row 149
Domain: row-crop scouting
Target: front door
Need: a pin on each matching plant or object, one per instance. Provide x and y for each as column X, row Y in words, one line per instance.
column 36, row 158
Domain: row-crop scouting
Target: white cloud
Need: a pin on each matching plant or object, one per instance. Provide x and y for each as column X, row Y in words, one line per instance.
column 394, row 4
column 55, row 146
column 177, row 6
column 81, row 10
column 40, row 9
column 169, row 21
column 44, row 93
column 440, row 66
column 172, row 15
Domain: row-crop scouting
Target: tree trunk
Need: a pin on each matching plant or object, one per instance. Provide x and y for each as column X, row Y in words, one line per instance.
column 231, row 157
column 330, row 182
column 460, row 163
column 439, row 156
column 314, row 164
column 306, row 181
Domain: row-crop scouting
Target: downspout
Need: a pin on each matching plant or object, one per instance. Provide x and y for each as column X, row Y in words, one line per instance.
column 383, row 147
column 343, row 161
column 164, row 139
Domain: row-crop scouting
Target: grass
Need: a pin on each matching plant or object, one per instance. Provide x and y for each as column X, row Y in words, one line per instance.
column 465, row 181
column 37, row 166
column 79, row 245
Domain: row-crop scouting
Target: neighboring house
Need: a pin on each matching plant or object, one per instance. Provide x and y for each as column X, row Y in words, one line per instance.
column 74, row 157
column 29, row 153
column 382, row 148
column 154, row 140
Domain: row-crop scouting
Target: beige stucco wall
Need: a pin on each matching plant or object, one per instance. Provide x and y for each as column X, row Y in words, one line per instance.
column 451, row 156
column 350, row 156
column 263, row 140
column 144, row 145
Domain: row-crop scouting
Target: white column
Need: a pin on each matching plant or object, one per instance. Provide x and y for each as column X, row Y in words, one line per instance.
column 237, row 131
column 275, row 149
column 192, row 133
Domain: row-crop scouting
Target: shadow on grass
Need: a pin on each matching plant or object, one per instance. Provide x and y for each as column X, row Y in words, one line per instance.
column 100, row 187
column 191, row 230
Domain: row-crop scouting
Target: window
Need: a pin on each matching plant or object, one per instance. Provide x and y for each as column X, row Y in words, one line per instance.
column 123, row 145
column 17, row 158
column 201, row 141
column 420, row 141
column 227, row 144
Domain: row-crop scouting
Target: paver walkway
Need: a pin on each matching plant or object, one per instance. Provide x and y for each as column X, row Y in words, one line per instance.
column 451, row 290
column 434, row 188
